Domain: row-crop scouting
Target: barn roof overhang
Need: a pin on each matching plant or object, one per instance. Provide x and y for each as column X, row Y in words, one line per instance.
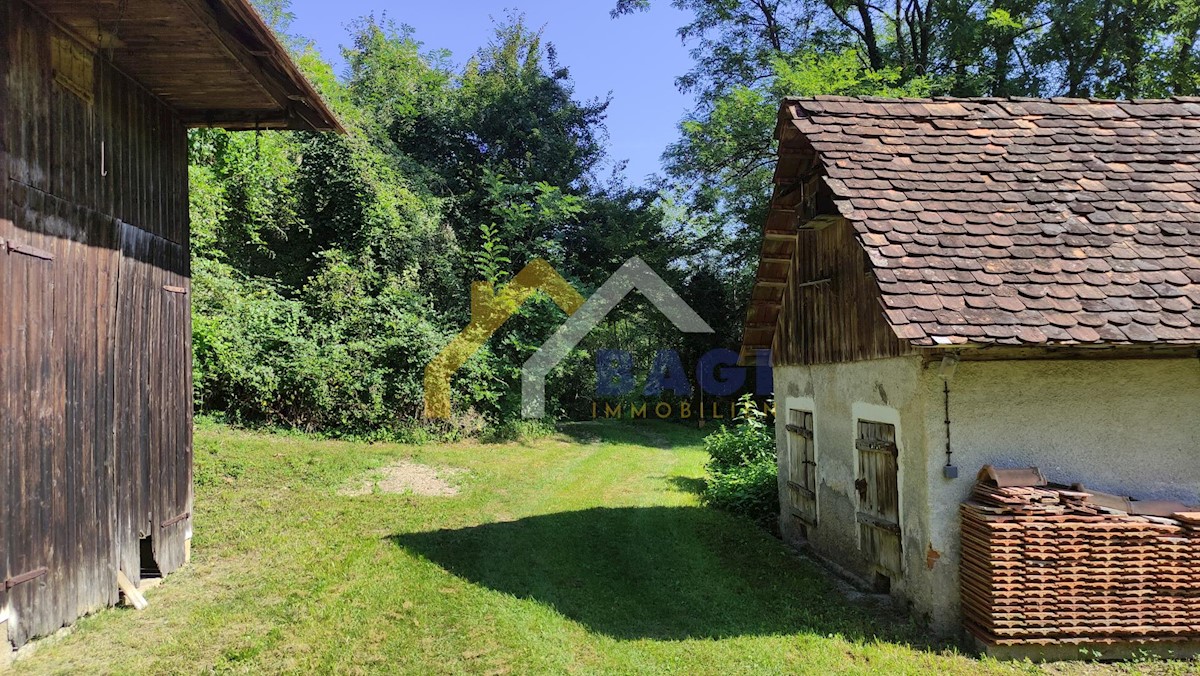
column 215, row 62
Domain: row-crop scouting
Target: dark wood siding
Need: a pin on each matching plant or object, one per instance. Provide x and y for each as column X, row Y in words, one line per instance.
column 831, row 311
column 7, row 281
column 95, row 354
column 153, row 417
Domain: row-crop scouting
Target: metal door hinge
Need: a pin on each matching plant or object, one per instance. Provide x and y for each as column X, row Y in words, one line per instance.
column 25, row 577
column 861, row 487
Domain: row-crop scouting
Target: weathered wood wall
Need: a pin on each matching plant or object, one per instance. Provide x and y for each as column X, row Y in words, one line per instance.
column 95, row 354
column 831, row 309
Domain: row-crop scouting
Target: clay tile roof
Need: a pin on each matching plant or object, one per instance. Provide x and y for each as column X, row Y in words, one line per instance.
column 1048, row 222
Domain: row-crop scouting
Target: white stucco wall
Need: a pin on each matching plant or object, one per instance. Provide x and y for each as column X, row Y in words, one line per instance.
column 1130, row 427
column 1122, row 426
column 838, row 395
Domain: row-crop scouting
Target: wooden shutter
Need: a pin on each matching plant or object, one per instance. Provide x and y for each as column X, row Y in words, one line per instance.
column 879, row 497
column 801, row 467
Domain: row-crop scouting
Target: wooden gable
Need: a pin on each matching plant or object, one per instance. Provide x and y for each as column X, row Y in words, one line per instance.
column 815, row 298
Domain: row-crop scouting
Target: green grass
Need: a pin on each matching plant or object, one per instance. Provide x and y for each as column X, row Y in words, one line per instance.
column 585, row 552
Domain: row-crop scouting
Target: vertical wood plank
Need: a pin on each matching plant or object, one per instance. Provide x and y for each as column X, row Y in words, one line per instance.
column 8, row 442
column 836, row 321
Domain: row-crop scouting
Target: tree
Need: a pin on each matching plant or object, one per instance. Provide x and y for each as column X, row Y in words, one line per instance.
column 749, row 54
column 330, row 269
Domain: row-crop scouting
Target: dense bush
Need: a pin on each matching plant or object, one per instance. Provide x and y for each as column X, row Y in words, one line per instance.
column 742, row 470
column 263, row 358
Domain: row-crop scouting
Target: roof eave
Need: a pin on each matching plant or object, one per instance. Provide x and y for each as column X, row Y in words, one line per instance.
column 304, row 101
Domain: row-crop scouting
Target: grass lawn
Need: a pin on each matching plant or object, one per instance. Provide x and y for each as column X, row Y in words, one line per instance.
column 587, row 552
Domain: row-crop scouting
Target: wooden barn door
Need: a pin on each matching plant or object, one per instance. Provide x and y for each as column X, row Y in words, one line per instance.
column 32, row 432
column 153, row 404
column 879, row 499
column 57, row 264
column 801, row 466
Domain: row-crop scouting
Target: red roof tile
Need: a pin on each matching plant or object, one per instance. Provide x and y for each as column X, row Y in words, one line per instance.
column 1020, row 222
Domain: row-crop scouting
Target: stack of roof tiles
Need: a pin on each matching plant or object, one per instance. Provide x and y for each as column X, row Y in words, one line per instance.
column 1018, row 221
column 1048, row 565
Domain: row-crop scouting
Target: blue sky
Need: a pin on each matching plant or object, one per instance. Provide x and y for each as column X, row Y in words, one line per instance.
column 636, row 57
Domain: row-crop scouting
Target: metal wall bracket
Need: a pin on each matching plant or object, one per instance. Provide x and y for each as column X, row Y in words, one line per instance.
column 25, row 249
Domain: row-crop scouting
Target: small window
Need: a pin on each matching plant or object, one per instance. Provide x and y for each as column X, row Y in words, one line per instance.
column 800, row 465
column 73, row 67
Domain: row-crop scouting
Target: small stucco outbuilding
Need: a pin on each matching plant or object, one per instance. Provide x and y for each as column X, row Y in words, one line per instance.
column 951, row 283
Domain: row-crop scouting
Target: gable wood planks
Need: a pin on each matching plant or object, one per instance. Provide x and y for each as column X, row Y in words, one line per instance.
column 95, row 365
column 830, row 310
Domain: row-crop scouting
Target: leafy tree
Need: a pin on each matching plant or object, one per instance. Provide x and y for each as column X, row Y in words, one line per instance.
column 726, row 153
column 749, row 54
column 329, row 270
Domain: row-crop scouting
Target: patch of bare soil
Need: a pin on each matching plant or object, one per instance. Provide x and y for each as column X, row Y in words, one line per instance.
column 406, row 478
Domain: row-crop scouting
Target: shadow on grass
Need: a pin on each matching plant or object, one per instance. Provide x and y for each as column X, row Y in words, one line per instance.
column 650, row 433
column 657, row 572
column 686, row 484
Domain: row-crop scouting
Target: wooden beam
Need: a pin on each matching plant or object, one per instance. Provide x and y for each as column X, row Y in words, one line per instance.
column 820, row 222
column 247, row 120
column 815, row 282
column 980, row 352
column 806, row 492
column 876, row 522
column 132, row 595
column 229, row 33
column 749, row 354
column 780, row 235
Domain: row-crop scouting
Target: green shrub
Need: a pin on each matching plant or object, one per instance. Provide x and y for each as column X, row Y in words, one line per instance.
column 751, row 490
column 744, row 444
column 742, row 471
column 264, row 359
column 518, row 430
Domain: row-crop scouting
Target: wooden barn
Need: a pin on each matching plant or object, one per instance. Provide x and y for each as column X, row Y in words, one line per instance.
column 955, row 283
column 95, row 330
